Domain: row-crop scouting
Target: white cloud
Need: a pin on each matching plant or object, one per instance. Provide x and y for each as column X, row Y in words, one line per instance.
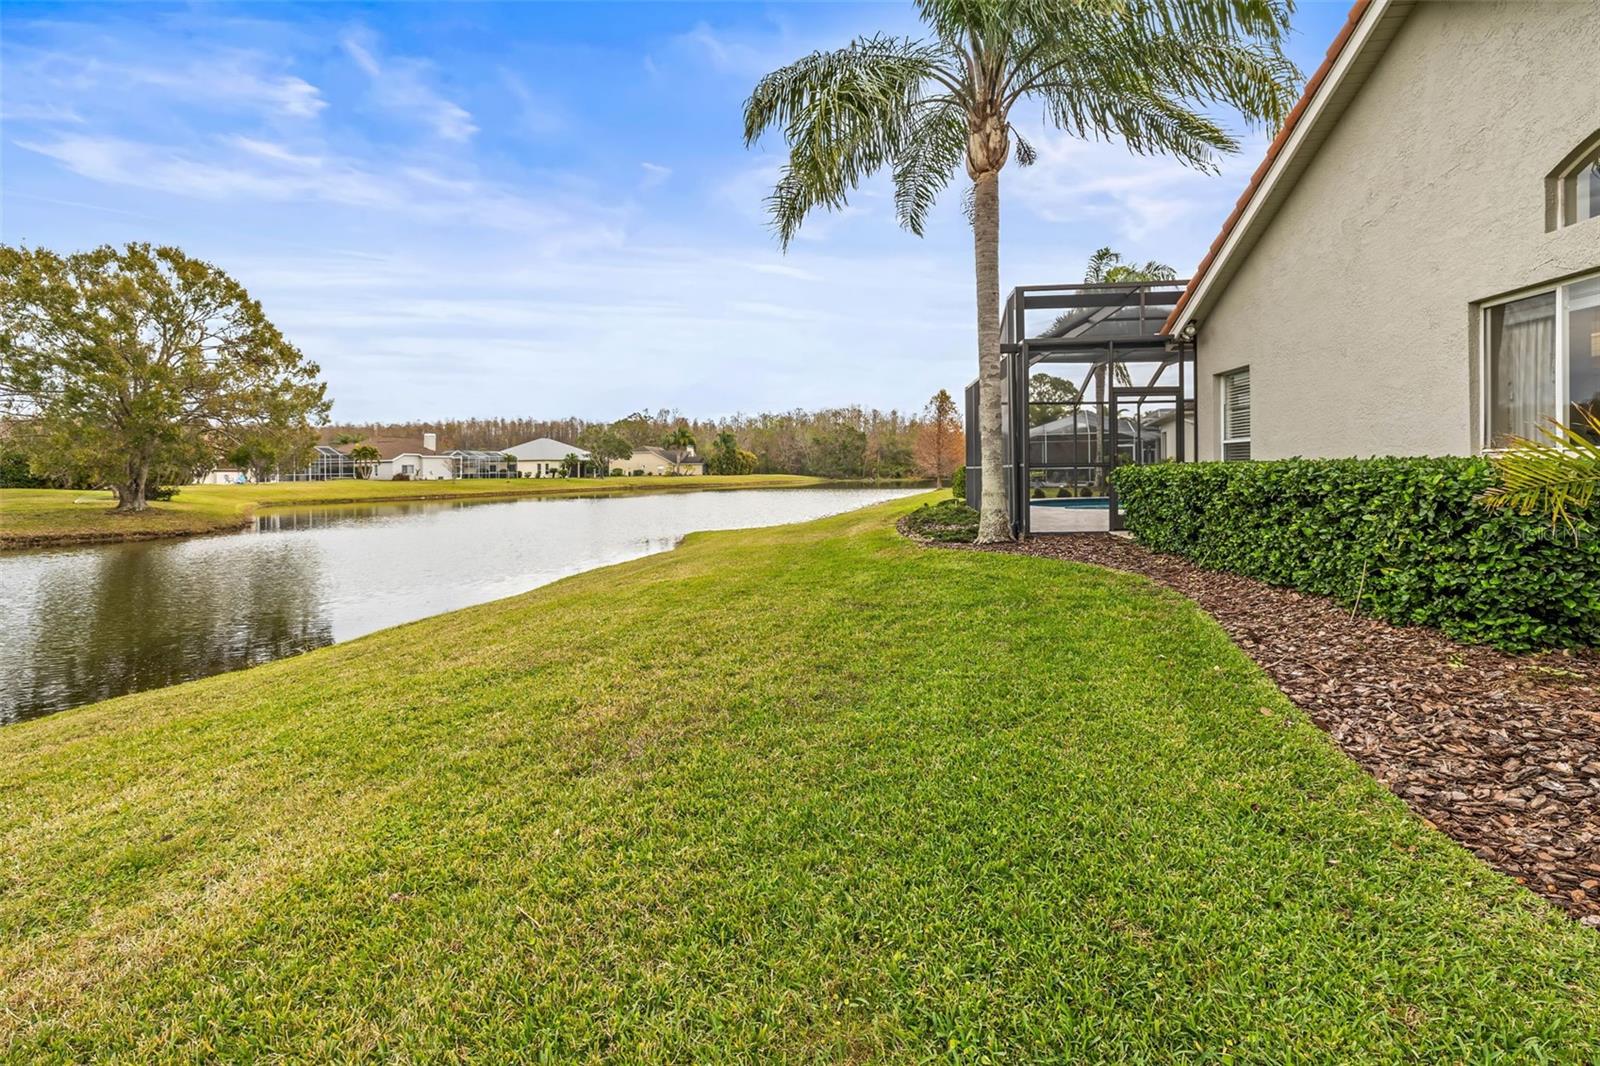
column 654, row 174
column 244, row 169
column 1123, row 195
column 402, row 85
column 227, row 78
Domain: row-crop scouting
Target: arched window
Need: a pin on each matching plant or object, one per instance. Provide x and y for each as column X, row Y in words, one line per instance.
column 1575, row 186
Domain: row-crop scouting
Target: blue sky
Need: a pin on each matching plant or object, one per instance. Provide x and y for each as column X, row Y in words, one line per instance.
column 540, row 209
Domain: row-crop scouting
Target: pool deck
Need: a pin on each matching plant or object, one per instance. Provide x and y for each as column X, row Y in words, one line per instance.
column 1068, row 519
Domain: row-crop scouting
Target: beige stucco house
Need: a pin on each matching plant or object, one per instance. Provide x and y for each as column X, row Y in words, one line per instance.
column 1415, row 267
column 658, row 461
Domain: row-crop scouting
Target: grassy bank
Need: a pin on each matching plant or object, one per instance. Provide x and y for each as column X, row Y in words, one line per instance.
column 811, row 792
column 38, row 517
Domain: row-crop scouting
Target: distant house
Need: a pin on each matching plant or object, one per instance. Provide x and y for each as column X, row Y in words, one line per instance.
column 225, row 475
column 658, row 461
column 406, row 459
column 546, row 457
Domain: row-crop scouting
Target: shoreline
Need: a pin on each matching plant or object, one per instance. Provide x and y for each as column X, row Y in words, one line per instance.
column 220, row 509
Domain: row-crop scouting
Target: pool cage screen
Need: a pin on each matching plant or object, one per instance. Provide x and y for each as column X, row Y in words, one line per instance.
column 1090, row 383
column 482, row 464
column 327, row 464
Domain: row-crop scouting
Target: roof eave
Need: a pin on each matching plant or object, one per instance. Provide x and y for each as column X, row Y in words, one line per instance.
column 1367, row 31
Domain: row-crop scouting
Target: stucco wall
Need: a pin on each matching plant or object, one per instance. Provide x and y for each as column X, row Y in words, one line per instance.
column 1355, row 311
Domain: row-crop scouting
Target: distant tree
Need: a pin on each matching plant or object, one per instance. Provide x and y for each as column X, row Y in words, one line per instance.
column 726, row 457
column 940, row 444
column 366, row 459
column 123, row 366
column 14, row 472
column 1049, row 398
column 1149, row 72
column 267, row 450
column 603, row 443
column 571, row 465
column 840, row 451
column 638, row 429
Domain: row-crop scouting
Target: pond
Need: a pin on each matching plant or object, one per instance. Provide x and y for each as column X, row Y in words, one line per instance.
column 86, row 624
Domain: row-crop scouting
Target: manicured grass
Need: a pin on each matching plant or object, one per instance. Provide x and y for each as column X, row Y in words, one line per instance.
column 33, row 517
column 805, row 793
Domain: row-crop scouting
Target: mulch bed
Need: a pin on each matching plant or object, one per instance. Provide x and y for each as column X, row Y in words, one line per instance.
column 1502, row 752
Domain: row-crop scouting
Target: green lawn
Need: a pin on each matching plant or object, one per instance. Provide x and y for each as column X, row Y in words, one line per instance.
column 30, row 517
column 806, row 793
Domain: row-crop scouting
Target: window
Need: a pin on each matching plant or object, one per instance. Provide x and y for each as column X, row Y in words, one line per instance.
column 1236, row 416
column 1543, row 359
column 1580, row 189
column 1582, row 299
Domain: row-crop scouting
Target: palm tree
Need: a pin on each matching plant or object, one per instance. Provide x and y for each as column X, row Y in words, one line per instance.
column 1140, row 70
column 1108, row 267
column 366, row 459
column 678, row 442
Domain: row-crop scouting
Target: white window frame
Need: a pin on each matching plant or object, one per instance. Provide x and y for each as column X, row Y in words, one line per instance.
column 1566, row 209
column 1223, row 440
column 1563, row 353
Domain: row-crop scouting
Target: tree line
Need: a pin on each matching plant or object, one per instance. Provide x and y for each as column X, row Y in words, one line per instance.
column 835, row 442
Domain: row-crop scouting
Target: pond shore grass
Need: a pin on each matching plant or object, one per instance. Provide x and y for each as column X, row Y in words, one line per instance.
column 805, row 793
column 31, row 518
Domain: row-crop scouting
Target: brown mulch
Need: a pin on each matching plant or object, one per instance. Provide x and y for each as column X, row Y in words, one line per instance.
column 1501, row 752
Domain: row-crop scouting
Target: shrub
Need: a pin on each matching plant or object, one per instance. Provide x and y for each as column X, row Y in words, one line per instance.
column 948, row 520
column 958, row 483
column 1403, row 539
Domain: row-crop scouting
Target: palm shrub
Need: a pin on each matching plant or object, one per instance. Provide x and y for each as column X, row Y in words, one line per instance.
column 1555, row 477
column 1144, row 71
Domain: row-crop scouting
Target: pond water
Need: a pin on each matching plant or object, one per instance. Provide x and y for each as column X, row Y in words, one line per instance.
column 86, row 624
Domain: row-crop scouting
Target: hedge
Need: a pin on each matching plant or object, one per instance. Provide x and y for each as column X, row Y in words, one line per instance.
column 1404, row 537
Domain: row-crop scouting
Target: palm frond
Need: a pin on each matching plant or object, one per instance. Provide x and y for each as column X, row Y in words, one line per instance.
column 1026, row 154
column 1101, row 261
column 851, row 112
column 1556, row 475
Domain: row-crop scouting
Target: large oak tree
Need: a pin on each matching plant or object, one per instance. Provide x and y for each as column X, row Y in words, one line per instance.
column 125, row 367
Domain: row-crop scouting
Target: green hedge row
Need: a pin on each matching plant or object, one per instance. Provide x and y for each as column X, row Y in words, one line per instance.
column 1405, row 535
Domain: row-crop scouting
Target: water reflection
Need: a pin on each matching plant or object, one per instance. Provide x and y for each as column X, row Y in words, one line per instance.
column 132, row 616
column 86, row 624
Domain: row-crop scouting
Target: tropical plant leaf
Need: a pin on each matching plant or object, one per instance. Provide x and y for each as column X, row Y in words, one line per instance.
column 1555, row 475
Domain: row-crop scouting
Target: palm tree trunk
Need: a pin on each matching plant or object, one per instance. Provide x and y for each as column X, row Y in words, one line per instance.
column 994, row 522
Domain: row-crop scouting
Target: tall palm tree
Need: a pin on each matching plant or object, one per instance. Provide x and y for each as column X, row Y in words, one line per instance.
column 1141, row 70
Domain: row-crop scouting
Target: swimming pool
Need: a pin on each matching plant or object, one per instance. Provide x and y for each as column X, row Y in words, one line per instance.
column 1085, row 502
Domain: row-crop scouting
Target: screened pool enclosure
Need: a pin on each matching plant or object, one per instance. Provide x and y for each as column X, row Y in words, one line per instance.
column 1090, row 383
